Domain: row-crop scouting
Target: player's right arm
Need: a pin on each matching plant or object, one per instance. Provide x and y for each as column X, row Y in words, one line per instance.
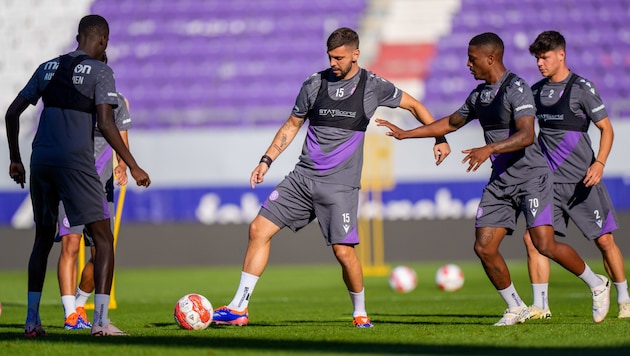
column 281, row 141
column 12, row 121
column 437, row 128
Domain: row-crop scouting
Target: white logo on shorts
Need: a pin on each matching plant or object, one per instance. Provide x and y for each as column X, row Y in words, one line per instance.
column 534, row 211
column 274, row 195
column 66, row 223
column 346, row 227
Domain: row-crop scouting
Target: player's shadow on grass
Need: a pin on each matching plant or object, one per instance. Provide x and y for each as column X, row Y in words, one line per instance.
column 208, row 340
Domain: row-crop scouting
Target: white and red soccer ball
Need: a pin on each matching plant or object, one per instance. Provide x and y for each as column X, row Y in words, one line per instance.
column 193, row 312
column 403, row 279
column 449, row 277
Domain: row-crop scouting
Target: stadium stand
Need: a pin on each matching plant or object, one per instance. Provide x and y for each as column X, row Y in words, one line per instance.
column 193, row 63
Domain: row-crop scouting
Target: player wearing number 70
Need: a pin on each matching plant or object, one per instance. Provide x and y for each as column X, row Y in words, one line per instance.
column 520, row 179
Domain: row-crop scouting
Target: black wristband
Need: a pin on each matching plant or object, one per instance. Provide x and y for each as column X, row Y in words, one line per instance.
column 440, row 139
column 266, row 160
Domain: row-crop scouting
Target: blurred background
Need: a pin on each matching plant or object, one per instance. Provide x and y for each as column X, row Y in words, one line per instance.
column 210, row 81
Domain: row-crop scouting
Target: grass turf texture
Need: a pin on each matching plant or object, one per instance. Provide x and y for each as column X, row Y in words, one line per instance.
column 305, row 310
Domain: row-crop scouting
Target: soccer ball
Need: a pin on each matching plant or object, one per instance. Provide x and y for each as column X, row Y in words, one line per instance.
column 403, row 279
column 193, row 312
column 449, row 278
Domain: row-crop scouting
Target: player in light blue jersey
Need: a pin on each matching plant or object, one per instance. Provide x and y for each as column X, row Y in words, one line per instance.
column 566, row 104
column 520, row 181
column 338, row 103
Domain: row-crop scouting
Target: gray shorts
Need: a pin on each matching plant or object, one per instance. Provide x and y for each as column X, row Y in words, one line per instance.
column 590, row 209
column 81, row 193
column 64, row 228
column 501, row 204
column 298, row 200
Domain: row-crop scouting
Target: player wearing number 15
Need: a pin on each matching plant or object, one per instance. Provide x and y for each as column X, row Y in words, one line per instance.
column 338, row 102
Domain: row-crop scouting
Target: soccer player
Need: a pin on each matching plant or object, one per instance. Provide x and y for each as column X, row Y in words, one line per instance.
column 566, row 104
column 520, row 179
column 70, row 236
column 75, row 88
column 338, row 102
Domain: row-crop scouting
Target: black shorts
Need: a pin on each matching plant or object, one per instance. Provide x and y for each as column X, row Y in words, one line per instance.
column 81, row 193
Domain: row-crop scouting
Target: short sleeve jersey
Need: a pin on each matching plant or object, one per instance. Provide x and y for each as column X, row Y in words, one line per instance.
column 64, row 136
column 342, row 149
column 569, row 152
column 103, row 153
column 517, row 102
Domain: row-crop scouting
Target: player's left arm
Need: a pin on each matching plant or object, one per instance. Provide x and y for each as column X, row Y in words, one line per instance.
column 595, row 172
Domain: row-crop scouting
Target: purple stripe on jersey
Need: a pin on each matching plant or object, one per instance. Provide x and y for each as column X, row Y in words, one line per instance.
column 352, row 238
column 325, row 161
column 106, row 214
column 609, row 225
column 103, row 159
column 564, row 149
column 545, row 217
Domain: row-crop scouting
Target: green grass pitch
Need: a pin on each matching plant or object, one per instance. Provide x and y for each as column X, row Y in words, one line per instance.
column 305, row 310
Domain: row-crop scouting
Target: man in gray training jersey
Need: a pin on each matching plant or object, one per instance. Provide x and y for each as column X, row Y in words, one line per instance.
column 75, row 89
column 520, row 181
column 338, row 102
column 566, row 104
column 73, row 299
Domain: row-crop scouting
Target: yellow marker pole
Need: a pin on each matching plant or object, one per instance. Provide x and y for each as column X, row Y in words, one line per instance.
column 117, row 219
column 377, row 176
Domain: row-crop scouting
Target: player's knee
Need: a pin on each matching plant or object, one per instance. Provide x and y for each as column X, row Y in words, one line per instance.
column 605, row 242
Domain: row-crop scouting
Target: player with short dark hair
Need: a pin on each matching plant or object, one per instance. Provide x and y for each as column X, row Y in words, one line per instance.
column 521, row 181
column 566, row 104
column 75, row 88
column 338, row 102
column 73, row 298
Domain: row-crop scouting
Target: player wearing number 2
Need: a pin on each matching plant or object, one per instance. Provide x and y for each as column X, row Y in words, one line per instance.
column 338, row 102
column 566, row 103
column 520, row 181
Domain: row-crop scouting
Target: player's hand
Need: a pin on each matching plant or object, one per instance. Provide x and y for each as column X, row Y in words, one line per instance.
column 141, row 177
column 17, row 173
column 441, row 151
column 594, row 174
column 476, row 156
column 120, row 173
column 394, row 130
column 258, row 175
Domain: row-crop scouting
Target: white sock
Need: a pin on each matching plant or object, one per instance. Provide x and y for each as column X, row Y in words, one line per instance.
column 589, row 277
column 244, row 292
column 622, row 291
column 358, row 302
column 32, row 311
column 101, row 305
column 540, row 292
column 68, row 305
column 81, row 297
column 511, row 298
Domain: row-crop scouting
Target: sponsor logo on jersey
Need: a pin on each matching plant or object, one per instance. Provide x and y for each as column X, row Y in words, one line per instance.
column 51, row 65
column 83, row 69
column 550, row 117
column 336, row 112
